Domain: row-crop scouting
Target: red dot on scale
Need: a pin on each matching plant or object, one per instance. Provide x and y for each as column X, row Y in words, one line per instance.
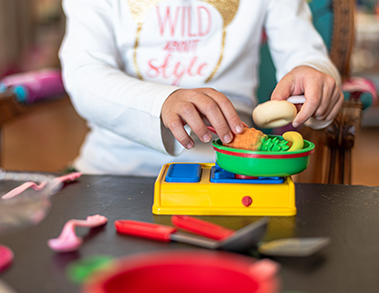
column 247, row 201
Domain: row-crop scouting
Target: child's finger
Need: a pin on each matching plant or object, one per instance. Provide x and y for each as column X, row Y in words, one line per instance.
column 284, row 88
column 176, row 127
column 195, row 121
column 199, row 104
column 211, row 110
column 228, row 112
column 313, row 95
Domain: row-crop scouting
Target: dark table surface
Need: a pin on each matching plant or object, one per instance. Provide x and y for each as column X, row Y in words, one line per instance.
column 349, row 215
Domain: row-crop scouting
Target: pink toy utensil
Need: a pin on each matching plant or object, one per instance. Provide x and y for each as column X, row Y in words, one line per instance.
column 67, row 240
column 16, row 191
column 69, row 177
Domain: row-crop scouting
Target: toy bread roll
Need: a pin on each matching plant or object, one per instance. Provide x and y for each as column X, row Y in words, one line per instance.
column 273, row 114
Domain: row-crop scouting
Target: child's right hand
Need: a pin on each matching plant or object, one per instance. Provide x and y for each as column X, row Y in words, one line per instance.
column 193, row 107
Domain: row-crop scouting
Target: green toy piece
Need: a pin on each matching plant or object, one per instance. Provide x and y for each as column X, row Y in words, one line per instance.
column 263, row 163
column 273, row 144
column 80, row 270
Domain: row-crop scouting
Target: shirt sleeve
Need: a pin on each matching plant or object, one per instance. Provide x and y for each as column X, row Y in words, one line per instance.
column 100, row 90
column 293, row 40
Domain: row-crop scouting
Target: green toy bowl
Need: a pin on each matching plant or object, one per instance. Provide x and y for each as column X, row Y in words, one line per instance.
column 262, row 163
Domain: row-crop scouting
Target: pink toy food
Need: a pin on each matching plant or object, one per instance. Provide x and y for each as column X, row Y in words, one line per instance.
column 16, row 191
column 67, row 240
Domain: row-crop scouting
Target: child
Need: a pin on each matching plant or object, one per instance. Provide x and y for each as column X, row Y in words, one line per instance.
column 150, row 75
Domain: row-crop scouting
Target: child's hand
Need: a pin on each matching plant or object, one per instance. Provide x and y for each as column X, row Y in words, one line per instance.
column 323, row 97
column 193, row 107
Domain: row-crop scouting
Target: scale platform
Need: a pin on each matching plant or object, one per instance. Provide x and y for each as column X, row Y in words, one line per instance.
column 206, row 189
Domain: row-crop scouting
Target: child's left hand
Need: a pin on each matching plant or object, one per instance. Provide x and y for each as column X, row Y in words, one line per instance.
column 322, row 94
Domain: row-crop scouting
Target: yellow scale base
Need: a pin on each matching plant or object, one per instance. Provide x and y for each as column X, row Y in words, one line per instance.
column 208, row 198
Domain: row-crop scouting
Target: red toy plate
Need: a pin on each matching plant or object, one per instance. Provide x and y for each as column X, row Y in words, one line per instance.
column 186, row 272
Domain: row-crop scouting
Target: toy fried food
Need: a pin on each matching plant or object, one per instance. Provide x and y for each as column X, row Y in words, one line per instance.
column 249, row 139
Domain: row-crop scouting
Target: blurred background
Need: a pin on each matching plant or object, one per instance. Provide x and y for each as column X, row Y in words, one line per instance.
column 49, row 136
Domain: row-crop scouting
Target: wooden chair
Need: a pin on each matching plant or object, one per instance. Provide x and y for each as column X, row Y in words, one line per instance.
column 331, row 162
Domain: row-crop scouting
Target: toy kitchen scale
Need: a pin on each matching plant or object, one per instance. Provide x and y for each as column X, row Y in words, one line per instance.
column 242, row 182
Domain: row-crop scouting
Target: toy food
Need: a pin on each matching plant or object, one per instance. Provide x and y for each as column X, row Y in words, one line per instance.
column 252, row 139
column 274, row 114
column 295, row 139
column 68, row 240
column 249, row 139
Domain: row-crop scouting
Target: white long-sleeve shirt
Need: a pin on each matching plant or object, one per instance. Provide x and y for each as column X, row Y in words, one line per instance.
column 121, row 59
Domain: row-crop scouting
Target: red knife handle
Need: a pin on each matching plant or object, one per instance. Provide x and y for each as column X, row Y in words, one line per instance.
column 145, row 230
column 201, row 227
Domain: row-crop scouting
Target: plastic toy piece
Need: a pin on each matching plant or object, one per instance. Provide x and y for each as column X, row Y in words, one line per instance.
column 295, row 138
column 262, row 164
column 206, row 229
column 291, row 247
column 210, row 198
column 273, row 114
column 239, row 241
column 69, row 177
column 294, row 247
column 67, row 240
column 16, row 191
column 219, row 175
column 274, row 144
column 187, row 271
column 79, row 271
column 6, row 257
column 250, row 139
column 184, row 173
column 255, row 140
